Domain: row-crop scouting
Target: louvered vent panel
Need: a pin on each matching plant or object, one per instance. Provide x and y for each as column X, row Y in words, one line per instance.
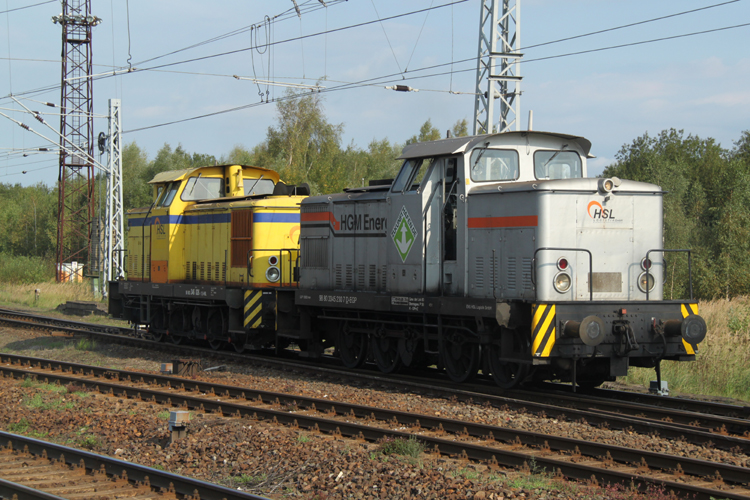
column 349, row 276
column 338, row 281
column 314, row 252
column 512, row 278
column 373, row 281
column 479, row 273
column 242, row 236
column 309, row 208
column 203, row 271
column 361, row 277
column 209, row 267
column 223, row 271
column 216, row 271
column 195, row 270
column 383, row 278
column 187, row 271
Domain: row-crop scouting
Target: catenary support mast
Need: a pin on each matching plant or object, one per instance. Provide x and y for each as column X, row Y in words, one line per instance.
column 76, row 174
column 114, row 241
column 498, row 67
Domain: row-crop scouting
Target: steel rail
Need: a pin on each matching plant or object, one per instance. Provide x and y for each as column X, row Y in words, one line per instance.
column 10, row 489
column 462, row 429
column 115, row 467
column 678, row 403
column 642, row 419
column 688, row 433
column 719, row 423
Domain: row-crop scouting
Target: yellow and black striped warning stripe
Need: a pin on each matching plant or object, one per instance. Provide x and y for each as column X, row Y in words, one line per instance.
column 253, row 308
column 542, row 329
column 687, row 310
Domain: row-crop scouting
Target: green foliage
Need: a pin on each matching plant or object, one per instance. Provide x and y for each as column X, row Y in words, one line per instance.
column 427, row 132
column 28, row 221
column 707, row 208
column 86, row 345
column 23, row 269
column 411, row 447
column 89, row 442
column 19, row 427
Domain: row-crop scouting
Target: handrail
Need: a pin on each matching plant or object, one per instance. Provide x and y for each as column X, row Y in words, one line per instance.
column 591, row 265
column 120, row 273
column 690, row 266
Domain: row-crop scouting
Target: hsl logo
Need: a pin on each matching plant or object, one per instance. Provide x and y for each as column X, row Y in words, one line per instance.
column 599, row 212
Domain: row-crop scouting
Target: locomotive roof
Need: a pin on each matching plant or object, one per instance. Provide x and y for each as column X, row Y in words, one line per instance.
column 174, row 175
column 458, row 145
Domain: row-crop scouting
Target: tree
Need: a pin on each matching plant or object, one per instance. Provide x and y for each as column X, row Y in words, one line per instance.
column 460, row 128
column 706, row 208
column 135, row 189
column 427, row 132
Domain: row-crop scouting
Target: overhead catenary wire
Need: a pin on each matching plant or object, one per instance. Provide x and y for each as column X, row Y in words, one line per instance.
column 7, row 10
column 363, row 82
column 53, row 87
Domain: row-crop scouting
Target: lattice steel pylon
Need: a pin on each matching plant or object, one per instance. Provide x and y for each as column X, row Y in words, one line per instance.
column 114, row 236
column 498, row 67
column 76, row 177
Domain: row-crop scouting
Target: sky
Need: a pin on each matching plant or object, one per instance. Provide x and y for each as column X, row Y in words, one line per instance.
column 698, row 83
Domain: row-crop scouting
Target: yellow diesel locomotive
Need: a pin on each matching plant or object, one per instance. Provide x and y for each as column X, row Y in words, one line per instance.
column 205, row 260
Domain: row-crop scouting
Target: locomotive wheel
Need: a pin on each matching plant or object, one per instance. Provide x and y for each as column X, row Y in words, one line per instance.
column 385, row 352
column 239, row 348
column 215, row 344
column 156, row 336
column 216, row 329
column 506, row 373
column 351, row 347
column 461, row 359
column 176, row 339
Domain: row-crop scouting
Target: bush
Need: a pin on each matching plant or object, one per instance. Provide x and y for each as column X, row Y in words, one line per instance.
column 20, row 269
column 411, row 447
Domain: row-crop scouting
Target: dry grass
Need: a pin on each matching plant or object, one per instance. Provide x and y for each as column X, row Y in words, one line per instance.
column 722, row 366
column 51, row 294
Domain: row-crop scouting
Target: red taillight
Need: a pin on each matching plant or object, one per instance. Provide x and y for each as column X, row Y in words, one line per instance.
column 646, row 264
column 562, row 263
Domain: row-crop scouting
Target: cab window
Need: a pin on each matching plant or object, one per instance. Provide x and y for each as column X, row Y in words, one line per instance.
column 489, row 165
column 411, row 175
column 202, row 188
column 168, row 195
column 256, row 187
column 557, row 165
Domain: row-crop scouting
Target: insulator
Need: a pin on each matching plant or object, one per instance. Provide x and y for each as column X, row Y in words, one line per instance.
column 51, row 104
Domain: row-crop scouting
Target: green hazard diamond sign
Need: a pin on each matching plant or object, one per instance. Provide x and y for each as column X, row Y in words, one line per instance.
column 404, row 234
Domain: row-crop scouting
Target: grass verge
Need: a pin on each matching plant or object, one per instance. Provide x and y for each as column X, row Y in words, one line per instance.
column 722, row 365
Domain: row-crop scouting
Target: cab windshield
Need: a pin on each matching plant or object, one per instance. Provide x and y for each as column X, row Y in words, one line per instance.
column 557, row 165
column 202, row 188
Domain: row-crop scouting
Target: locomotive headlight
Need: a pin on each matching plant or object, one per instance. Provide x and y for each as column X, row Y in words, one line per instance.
column 273, row 274
column 646, row 282
column 562, row 282
column 606, row 185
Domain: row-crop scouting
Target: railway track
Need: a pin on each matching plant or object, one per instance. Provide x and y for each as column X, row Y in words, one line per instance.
column 617, row 409
column 38, row 470
column 567, row 457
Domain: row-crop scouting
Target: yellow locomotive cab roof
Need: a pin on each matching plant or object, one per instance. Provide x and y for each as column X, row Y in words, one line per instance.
column 175, row 175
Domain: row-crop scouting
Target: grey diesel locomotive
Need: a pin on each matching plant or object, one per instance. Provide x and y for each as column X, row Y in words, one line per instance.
column 492, row 253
